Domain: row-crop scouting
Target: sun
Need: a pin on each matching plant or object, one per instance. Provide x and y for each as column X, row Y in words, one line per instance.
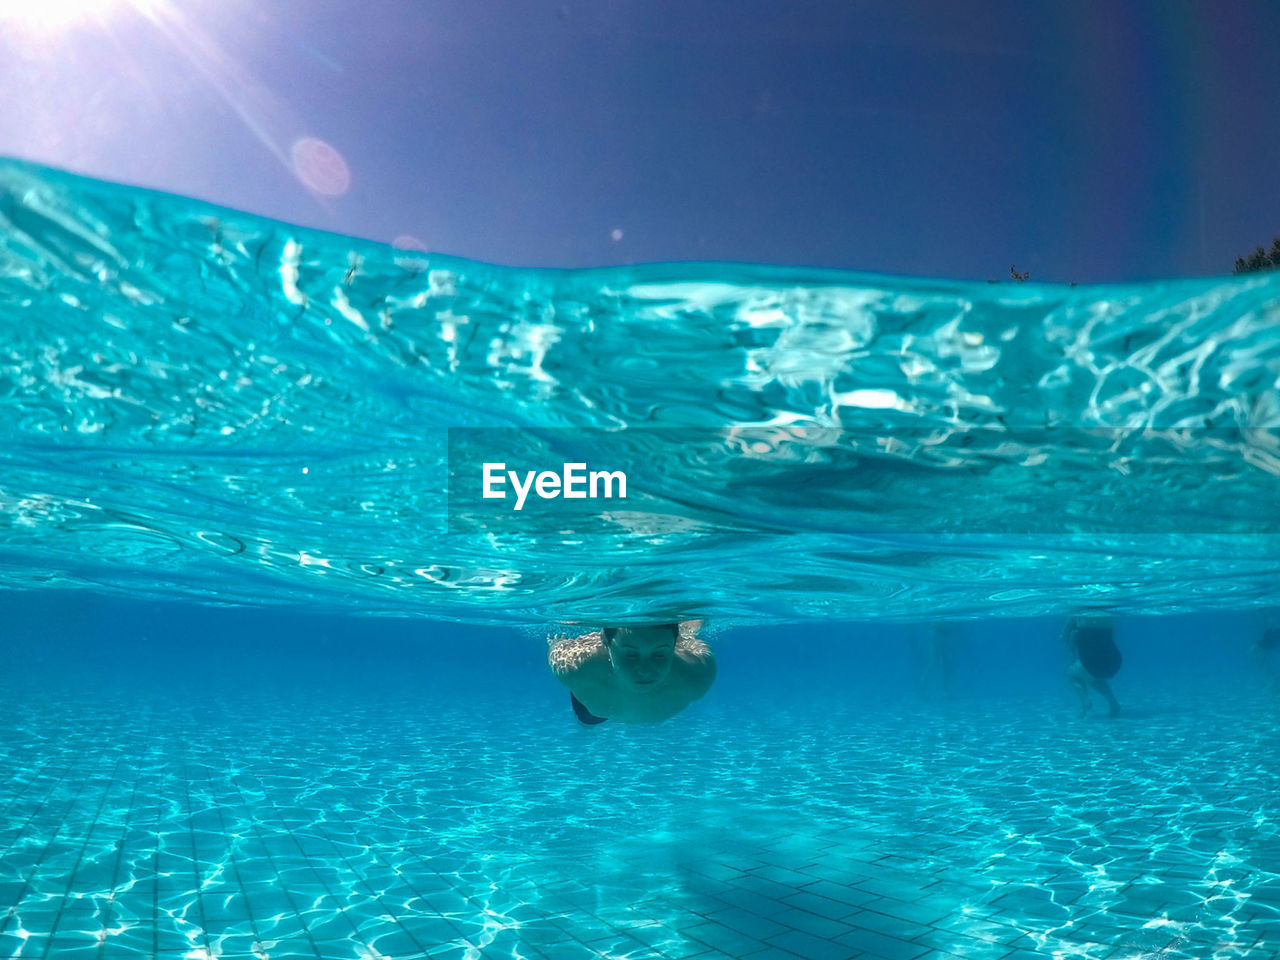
column 49, row 16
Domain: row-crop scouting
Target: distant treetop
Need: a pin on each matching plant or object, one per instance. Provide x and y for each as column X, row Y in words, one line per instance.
column 1260, row 259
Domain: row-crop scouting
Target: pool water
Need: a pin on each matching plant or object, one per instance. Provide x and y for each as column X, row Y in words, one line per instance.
column 273, row 674
column 204, row 404
column 373, row 800
column 371, row 833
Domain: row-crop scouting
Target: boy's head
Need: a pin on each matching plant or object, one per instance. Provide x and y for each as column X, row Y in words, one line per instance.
column 642, row 655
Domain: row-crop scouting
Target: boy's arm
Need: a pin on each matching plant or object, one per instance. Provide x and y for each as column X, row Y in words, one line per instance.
column 699, row 658
column 567, row 656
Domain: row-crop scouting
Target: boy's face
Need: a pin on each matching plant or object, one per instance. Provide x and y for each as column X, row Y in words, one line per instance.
column 642, row 656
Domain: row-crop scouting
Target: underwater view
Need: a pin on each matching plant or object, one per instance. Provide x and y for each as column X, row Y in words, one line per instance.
column 710, row 554
column 881, row 496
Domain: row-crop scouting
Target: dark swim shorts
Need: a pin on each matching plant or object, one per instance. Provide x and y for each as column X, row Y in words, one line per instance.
column 583, row 714
column 1098, row 652
column 1270, row 639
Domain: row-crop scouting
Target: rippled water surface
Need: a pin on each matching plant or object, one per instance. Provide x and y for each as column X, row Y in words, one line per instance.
column 200, row 403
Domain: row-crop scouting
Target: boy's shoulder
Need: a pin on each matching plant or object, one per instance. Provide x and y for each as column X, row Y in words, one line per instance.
column 568, row 655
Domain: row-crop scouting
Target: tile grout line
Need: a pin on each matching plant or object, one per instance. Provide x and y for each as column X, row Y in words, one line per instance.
column 71, row 874
column 115, row 872
column 13, row 911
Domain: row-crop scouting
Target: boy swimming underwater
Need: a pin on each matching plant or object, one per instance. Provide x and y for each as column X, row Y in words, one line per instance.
column 635, row 673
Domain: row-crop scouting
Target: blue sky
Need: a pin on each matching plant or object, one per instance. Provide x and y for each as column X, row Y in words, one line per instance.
column 1082, row 141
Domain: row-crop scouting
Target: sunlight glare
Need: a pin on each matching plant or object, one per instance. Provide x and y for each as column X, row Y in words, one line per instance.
column 49, row 16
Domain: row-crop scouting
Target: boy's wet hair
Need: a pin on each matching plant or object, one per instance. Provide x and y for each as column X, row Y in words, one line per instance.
column 608, row 633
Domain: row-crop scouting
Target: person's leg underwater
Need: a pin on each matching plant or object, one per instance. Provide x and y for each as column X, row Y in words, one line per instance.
column 1080, row 681
column 1104, row 688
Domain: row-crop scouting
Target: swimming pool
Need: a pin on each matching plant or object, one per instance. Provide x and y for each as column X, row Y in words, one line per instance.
column 232, row 467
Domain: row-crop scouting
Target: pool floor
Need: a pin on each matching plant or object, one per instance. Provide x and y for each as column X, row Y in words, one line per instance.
column 244, row 827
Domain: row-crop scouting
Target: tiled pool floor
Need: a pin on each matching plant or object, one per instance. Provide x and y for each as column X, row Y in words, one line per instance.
column 245, row 829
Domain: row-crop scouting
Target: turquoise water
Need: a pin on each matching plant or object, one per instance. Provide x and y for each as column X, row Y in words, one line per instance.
column 456, row 835
column 188, row 783
column 203, row 404
column 255, row 704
